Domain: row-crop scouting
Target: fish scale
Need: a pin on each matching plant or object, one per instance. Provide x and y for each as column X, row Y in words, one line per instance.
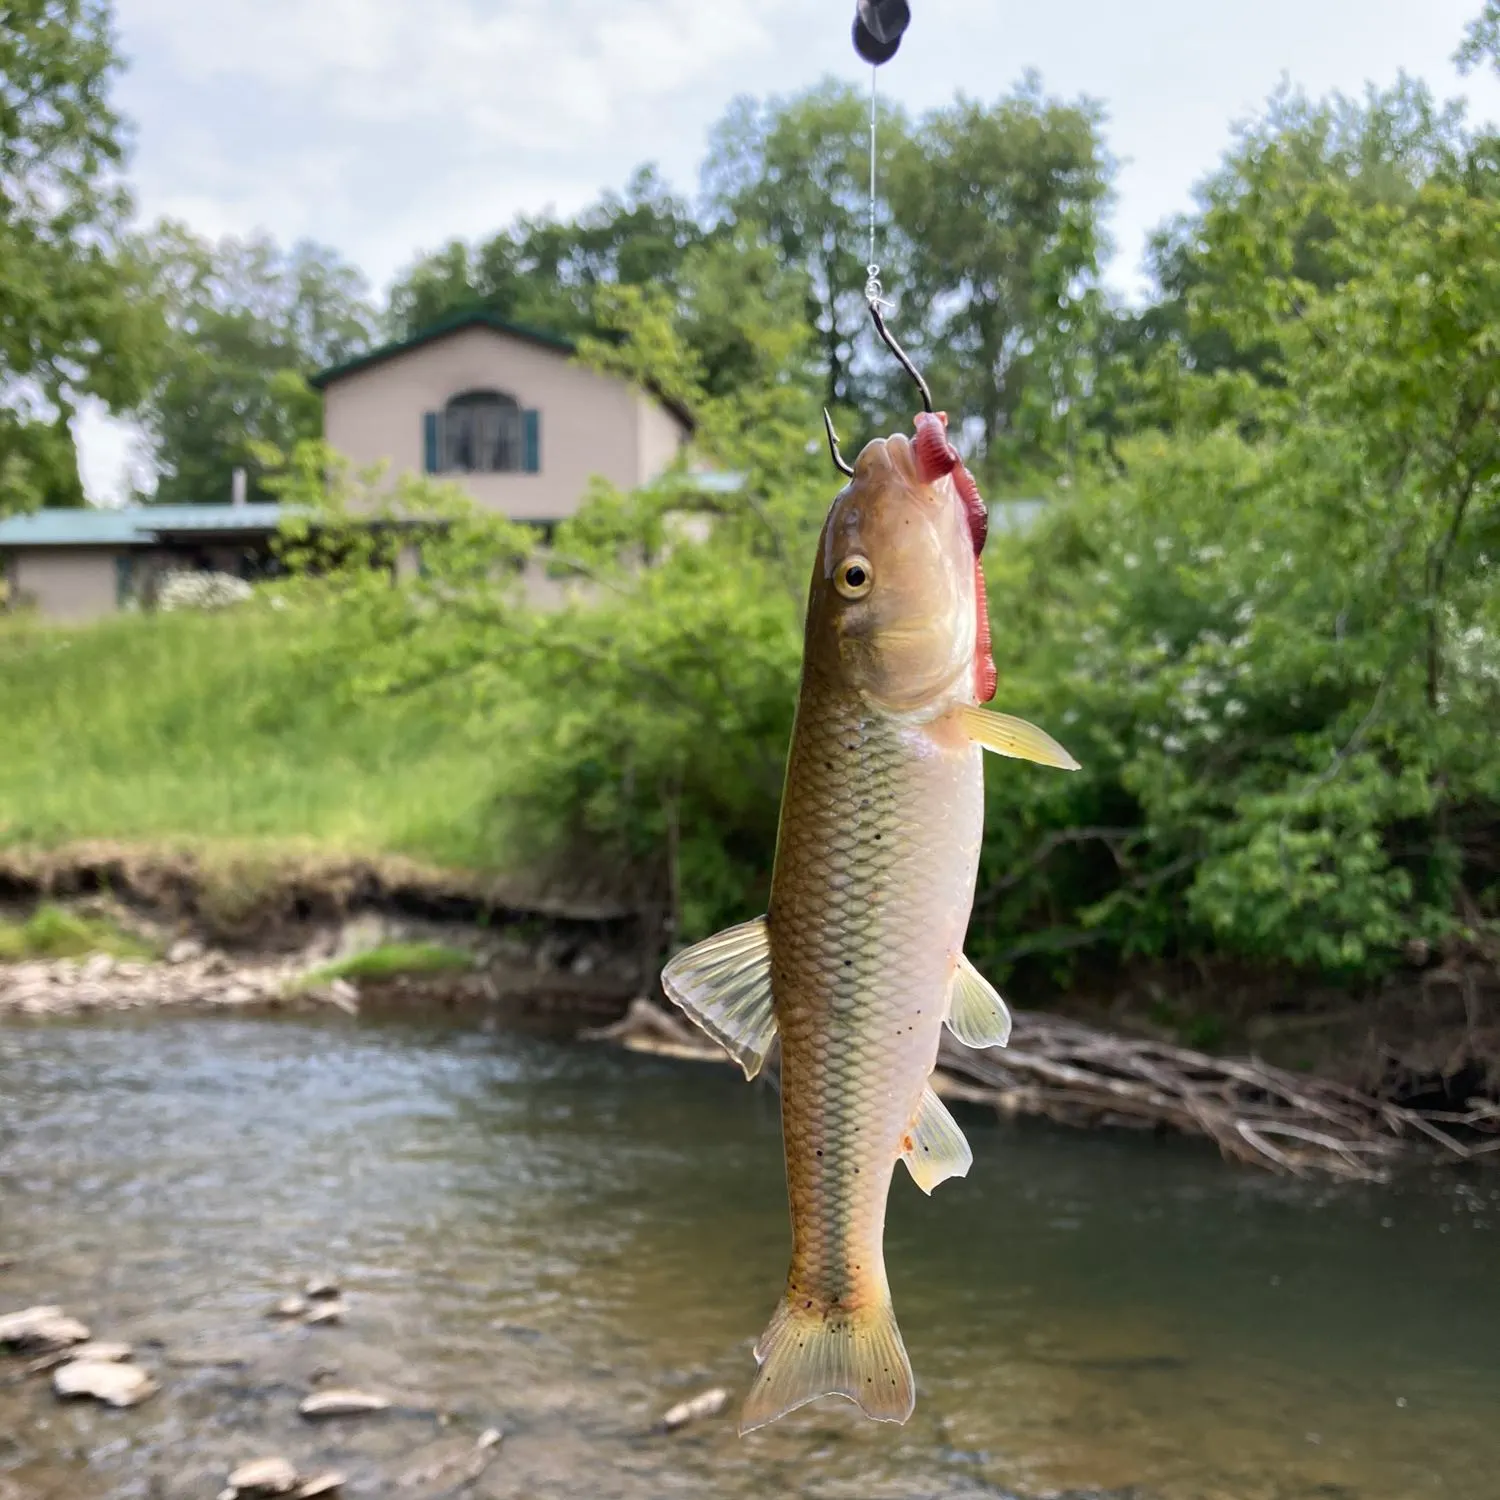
column 866, row 922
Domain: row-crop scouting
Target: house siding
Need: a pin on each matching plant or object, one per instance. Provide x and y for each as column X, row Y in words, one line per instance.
column 66, row 583
column 589, row 423
column 659, row 437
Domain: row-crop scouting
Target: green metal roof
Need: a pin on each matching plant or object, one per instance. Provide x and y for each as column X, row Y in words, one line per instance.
column 132, row 525
column 477, row 318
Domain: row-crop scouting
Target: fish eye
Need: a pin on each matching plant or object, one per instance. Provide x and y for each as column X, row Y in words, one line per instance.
column 854, row 578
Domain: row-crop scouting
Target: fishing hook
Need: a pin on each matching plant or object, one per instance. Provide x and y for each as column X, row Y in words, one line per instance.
column 841, row 463
column 889, row 340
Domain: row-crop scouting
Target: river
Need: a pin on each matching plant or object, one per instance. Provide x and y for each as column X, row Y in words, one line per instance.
column 560, row 1240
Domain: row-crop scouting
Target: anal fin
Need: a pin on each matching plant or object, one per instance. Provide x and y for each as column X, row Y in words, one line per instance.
column 977, row 1015
column 724, row 985
column 935, row 1148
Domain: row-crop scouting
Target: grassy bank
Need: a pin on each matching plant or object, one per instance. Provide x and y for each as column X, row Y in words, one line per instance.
column 206, row 730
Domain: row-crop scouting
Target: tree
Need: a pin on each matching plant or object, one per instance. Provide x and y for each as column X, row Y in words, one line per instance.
column 1004, row 207
column 1278, row 629
column 800, row 167
column 545, row 272
column 1384, row 147
column 74, row 320
column 249, row 322
column 1481, row 43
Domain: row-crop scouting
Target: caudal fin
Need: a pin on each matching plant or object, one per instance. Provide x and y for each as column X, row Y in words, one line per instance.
column 812, row 1352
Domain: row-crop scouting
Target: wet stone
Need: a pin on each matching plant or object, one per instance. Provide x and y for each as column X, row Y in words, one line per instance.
column 320, row 1484
column 264, row 1476
column 289, row 1307
column 113, row 1384
column 342, row 1403
column 328, row 1312
column 709, row 1404
column 39, row 1330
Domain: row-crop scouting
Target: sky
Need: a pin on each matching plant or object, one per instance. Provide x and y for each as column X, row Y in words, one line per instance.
column 386, row 127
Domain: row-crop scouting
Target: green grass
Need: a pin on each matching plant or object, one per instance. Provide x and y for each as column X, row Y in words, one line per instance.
column 52, row 932
column 236, row 729
column 389, row 960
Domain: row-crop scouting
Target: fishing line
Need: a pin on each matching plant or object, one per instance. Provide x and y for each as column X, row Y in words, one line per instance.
column 874, row 294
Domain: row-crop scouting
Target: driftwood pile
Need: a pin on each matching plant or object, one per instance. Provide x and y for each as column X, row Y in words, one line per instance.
column 1079, row 1075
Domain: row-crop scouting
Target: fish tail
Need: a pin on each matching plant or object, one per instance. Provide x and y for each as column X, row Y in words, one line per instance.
column 812, row 1351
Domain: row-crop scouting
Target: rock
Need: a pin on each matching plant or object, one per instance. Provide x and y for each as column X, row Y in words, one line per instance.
column 329, row 1311
column 102, row 1351
column 129, row 970
column 184, row 950
column 709, row 1404
column 362, row 935
column 344, row 995
column 342, row 1403
column 321, row 1288
column 113, row 1384
column 264, row 1476
column 322, row 1484
column 491, row 1437
column 289, row 1307
column 38, row 1330
column 100, row 966
column 237, row 994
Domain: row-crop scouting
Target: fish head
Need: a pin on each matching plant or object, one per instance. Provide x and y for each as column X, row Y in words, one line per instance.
column 897, row 607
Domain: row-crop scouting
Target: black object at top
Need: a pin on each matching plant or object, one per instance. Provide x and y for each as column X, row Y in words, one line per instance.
column 878, row 28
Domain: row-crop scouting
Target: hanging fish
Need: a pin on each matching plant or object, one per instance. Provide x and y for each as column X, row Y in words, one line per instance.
column 859, row 961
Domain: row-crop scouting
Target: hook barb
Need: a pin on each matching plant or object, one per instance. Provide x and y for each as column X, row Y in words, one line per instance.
column 841, row 463
column 903, row 358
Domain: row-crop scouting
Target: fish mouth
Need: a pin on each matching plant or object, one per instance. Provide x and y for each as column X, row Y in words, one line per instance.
column 893, row 457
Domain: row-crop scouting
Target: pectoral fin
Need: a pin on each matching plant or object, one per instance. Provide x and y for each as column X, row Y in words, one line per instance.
column 936, row 1148
column 1008, row 735
column 977, row 1015
column 724, row 984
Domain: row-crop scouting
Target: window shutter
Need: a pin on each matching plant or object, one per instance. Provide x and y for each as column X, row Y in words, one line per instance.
column 430, row 441
column 531, row 426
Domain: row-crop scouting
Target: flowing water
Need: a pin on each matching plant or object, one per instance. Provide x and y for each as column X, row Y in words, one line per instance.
column 561, row 1241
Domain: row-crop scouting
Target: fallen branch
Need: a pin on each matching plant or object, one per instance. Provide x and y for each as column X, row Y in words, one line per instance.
column 1078, row 1075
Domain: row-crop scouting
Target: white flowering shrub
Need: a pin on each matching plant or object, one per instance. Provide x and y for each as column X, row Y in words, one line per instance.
column 1287, row 754
column 188, row 589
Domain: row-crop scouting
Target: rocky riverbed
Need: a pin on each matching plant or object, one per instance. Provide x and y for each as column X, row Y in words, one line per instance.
column 533, row 967
column 190, row 977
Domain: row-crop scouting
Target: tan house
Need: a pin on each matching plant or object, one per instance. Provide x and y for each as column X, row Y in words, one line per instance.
column 78, row 564
column 504, row 410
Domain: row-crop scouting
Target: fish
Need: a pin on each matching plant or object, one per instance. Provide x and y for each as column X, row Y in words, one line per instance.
column 858, row 962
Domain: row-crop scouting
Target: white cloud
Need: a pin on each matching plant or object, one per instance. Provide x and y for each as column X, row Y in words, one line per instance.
column 535, row 74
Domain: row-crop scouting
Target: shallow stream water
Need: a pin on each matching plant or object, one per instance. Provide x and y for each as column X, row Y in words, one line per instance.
column 561, row 1241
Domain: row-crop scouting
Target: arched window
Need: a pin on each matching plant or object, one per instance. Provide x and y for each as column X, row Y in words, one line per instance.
column 483, row 432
